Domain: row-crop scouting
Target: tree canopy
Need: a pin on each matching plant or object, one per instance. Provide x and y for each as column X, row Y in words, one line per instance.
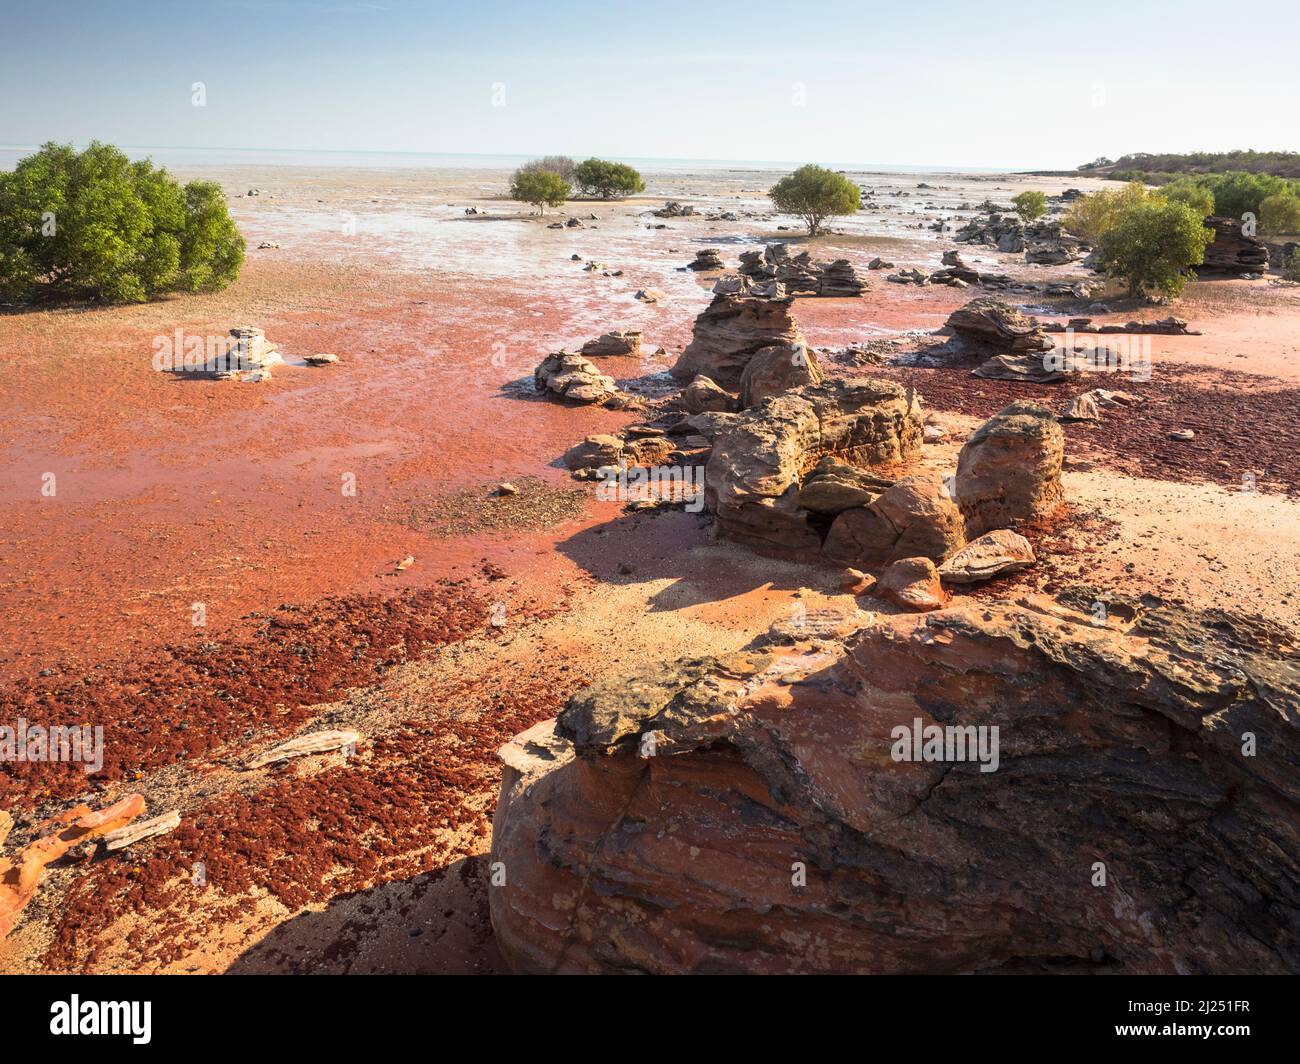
column 1154, row 245
column 599, row 177
column 1030, row 204
column 541, row 188
column 94, row 225
column 814, row 194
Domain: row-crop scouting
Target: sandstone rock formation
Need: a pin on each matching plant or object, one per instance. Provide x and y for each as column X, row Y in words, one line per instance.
column 1009, row 471
column 992, row 554
column 755, row 814
column 593, row 452
column 707, row 259
column 1004, row 231
column 840, row 279
column 774, row 370
column 834, row 486
column 912, row 584
column 1233, row 252
column 704, row 393
column 620, row 342
column 998, row 326
column 758, row 463
column 564, row 375
column 729, row 332
column 914, row 518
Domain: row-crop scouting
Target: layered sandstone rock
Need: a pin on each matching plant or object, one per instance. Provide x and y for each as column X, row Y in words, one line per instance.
column 914, row 518
column 774, row 370
column 564, row 375
column 620, row 342
column 1233, row 252
column 1009, row 471
column 703, row 394
column 998, row 326
column 755, row 814
column 729, row 332
column 992, row 554
column 753, row 477
column 912, row 584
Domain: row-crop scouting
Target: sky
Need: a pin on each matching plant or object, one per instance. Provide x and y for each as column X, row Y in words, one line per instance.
column 927, row 82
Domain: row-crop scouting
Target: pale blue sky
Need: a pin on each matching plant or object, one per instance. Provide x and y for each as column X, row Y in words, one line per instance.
column 1009, row 84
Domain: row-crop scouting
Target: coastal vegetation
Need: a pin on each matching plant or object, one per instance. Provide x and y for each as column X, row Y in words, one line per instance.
column 1152, row 246
column 541, row 188
column 94, row 225
column 1146, row 164
column 1030, row 204
column 556, row 164
column 608, row 180
column 1280, row 213
column 814, row 194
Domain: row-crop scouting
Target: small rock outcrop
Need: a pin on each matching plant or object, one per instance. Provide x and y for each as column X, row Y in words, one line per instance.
column 912, row 584
column 614, row 343
column 992, row 554
column 1110, row 824
column 704, row 394
column 729, row 332
column 707, row 259
column 998, row 326
column 565, row 375
column 593, row 452
column 1009, row 471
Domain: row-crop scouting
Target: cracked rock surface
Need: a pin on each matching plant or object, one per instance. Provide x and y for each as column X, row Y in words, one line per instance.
column 748, row 813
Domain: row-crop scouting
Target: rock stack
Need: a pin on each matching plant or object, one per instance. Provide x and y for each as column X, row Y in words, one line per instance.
column 840, row 279
column 707, row 259
column 1233, row 253
column 564, row 375
column 757, row 468
column 729, row 332
column 1009, row 471
column 249, row 357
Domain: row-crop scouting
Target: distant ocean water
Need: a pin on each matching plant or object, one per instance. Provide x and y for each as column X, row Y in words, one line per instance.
column 378, row 160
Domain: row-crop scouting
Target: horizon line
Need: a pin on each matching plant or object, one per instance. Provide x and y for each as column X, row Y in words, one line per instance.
column 862, row 167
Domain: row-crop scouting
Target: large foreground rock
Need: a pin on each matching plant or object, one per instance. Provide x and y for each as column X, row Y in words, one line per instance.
column 753, row 477
column 729, row 332
column 750, row 814
column 1009, row 471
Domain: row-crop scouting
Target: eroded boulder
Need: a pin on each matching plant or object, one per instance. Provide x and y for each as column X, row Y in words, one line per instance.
column 998, row 326
column 565, row 375
column 729, row 332
column 758, row 464
column 1009, row 471
column 774, row 370
column 914, row 518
